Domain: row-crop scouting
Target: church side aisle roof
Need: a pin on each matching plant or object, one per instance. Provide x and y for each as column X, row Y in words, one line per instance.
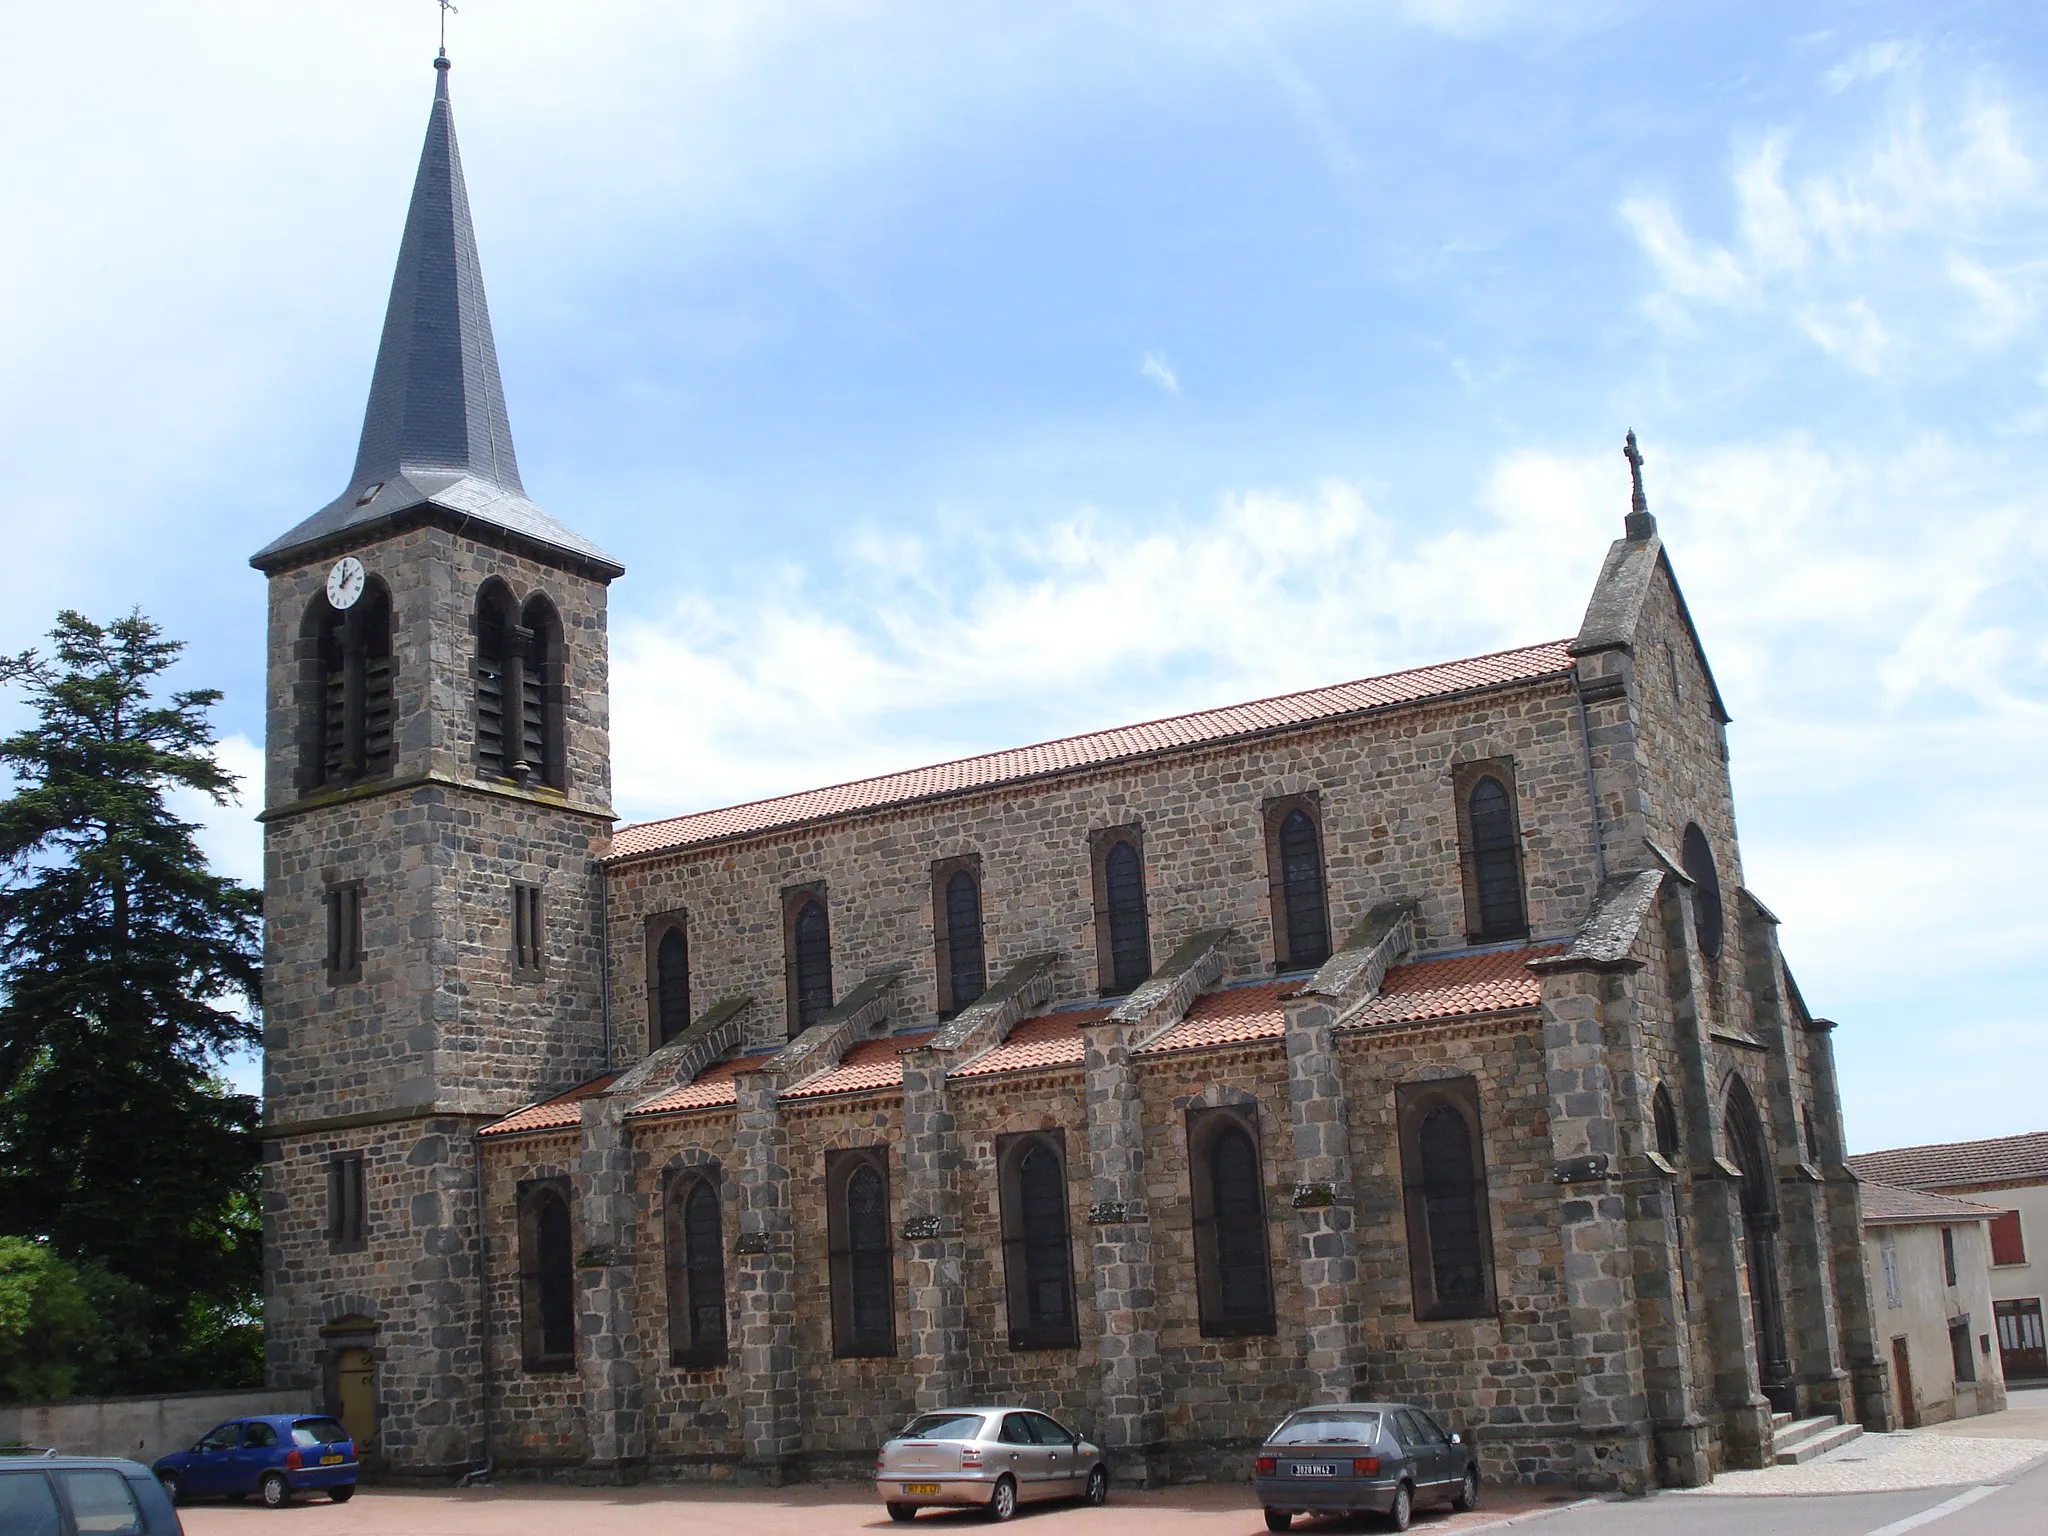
column 1097, row 748
column 562, row 1112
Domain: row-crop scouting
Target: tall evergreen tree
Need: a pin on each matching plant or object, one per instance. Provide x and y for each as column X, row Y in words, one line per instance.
column 128, row 971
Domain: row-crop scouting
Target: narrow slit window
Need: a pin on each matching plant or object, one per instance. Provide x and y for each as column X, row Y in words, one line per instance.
column 671, row 985
column 344, row 914
column 346, row 1223
column 1130, row 943
column 529, row 938
column 1304, row 901
column 811, row 963
column 966, row 961
column 1497, row 865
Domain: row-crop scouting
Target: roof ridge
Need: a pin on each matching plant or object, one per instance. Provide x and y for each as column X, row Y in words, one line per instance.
column 1944, row 1146
column 1129, row 727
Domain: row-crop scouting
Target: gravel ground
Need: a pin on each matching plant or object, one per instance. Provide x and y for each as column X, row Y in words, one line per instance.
column 1914, row 1458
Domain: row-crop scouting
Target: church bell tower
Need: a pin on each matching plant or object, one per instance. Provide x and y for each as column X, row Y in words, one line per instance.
column 437, row 789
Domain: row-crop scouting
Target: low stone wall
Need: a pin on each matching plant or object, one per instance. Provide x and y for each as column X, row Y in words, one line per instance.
column 142, row 1428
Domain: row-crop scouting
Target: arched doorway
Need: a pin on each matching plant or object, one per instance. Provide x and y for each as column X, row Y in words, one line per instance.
column 1752, row 1154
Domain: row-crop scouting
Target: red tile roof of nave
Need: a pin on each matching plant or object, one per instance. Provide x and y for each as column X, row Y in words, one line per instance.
column 556, row 1114
column 1493, row 982
column 1315, row 705
column 870, row 1065
column 1051, row 1040
column 712, row 1089
column 1229, row 1017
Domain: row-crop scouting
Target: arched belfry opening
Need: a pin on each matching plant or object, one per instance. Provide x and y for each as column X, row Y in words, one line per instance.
column 519, row 679
column 1750, row 1151
column 346, row 691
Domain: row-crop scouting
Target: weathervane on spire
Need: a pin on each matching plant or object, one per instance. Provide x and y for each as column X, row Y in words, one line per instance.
column 446, row 7
column 1640, row 524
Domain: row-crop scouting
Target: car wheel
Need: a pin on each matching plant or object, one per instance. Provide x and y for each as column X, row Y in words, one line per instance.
column 1468, row 1492
column 1003, row 1502
column 1278, row 1519
column 275, row 1490
column 1098, row 1486
column 174, row 1486
column 341, row 1493
column 1403, row 1512
column 901, row 1513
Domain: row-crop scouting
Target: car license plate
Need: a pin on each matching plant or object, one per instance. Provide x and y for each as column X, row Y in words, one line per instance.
column 920, row 1487
column 1315, row 1469
column 331, row 1461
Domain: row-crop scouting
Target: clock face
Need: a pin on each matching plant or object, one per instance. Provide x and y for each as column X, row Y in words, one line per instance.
column 345, row 582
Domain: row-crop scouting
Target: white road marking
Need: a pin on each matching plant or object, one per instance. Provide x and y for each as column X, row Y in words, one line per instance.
column 1940, row 1511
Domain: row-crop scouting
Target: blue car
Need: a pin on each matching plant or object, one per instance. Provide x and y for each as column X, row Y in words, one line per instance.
column 275, row 1456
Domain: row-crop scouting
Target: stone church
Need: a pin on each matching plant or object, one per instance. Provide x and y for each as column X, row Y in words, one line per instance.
column 1410, row 1037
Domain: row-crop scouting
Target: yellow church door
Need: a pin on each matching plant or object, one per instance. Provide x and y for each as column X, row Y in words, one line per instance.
column 356, row 1380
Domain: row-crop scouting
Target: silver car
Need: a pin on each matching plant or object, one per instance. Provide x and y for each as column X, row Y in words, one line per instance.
column 987, row 1458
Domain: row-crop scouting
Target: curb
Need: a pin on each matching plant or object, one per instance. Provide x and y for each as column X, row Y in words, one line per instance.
column 1539, row 1514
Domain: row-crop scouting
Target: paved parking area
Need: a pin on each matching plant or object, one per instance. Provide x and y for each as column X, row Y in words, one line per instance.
column 1209, row 1509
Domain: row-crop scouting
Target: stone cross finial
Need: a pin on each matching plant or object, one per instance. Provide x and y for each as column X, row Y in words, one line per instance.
column 1640, row 524
column 446, row 7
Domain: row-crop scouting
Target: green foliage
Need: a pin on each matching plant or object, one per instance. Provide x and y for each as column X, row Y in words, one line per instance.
column 46, row 1320
column 128, row 970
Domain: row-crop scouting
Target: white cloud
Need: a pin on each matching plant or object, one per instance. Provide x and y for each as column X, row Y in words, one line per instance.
column 1872, row 62
column 229, row 835
column 1160, row 372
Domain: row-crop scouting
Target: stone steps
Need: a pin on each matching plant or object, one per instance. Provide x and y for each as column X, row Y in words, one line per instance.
column 1793, row 1443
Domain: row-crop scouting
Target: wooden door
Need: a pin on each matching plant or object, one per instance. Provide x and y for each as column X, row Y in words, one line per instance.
column 1902, row 1379
column 356, row 1380
column 2021, row 1348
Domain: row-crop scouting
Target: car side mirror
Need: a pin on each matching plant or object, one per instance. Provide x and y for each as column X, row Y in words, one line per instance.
column 1457, row 1439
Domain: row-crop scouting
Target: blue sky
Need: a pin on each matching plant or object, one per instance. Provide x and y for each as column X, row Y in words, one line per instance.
column 950, row 376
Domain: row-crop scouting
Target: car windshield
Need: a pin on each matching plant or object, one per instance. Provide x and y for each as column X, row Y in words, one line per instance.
column 1326, row 1426
column 318, row 1432
column 943, row 1426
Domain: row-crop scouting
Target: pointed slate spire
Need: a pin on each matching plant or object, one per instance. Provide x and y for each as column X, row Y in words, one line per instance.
column 436, row 436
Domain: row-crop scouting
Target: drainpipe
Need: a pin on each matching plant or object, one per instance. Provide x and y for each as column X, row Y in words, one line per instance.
column 604, row 955
column 1592, row 794
column 483, row 1309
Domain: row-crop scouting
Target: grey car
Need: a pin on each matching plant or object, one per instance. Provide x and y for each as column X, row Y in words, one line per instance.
column 1377, row 1458
column 51, row 1495
column 987, row 1458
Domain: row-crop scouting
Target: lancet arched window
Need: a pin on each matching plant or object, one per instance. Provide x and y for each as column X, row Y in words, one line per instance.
column 1496, row 860
column 694, row 1239
column 1038, row 1267
column 547, row 1276
column 347, row 695
column 1443, row 1173
column 1123, row 906
column 862, row 1262
column 1233, row 1274
column 1698, row 859
column 671, row 983
column 810, row 963
column 520, row 678
column 962, row 952
column 1301, row 902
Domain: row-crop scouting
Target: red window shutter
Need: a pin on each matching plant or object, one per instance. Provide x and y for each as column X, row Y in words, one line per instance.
column 2007, row 1246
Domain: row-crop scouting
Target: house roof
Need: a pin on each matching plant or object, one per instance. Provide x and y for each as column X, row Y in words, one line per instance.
column 1892, row 1205
column 437, row 440
column 1095, row 749
column 1999, row 1160
column 559, row 1113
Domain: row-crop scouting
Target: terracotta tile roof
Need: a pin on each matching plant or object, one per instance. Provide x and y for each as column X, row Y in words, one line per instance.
column 713, row 1088
column 1050, row 1040
column 1314, row 706
column 1888, row 1204
column 556, row 1114
column 868, row 1066
column 1229, row 1017
column 1457, row 985
column 2005, row 1160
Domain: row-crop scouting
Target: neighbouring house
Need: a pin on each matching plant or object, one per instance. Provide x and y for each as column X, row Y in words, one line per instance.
column 2009, row 1174
column 1929, row 1262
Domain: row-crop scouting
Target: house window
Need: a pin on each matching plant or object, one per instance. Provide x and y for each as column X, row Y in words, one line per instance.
column 1888, row 1251
column 1233, row 1273
column 1948, row 1255
column 862, row 1261
column 345, row 1220
column 1123, row 942
column 956, row 925
column 345, row 693
column 344, row 932
column 529, row 939
column 1038, row 1262
column 547, row 1276
column 668, row 978
column 1443, row 1175
column 1490, row 834
column 808, row 944
column 1698, row 860
column 1301, row 907
column 694, row 1239
column 2008, row 1243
